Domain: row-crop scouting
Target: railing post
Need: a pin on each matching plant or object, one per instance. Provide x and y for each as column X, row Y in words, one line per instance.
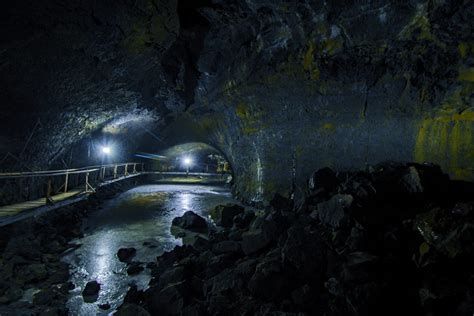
column 87, row 182
column 126, row 170
column 66, row 182
column 115, row 171
column 48, row 192
column 134, row 168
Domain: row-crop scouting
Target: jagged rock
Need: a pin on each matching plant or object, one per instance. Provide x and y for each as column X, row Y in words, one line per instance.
column 105, row 306
column 281, row 203
column 224, row 215
column 411, row 181
column 270, row 280
column 92, row 288
column 131, row 310
column 133, row 295
column 226, row 247
column 302, row 295
column 243, row 220
column 305, row 251
column 334, row 287
column 171, row 299
column 192, row 222
column 357, row 265
column 197, row 242
column 218, row 263
column 173, row 275
column 126, row 254
column 45, row 297
column 134, row 268
column 34, row 272
column 333, row 212
column 447, row 232
column 323, row 179
column 12, row 294
column 262, row 232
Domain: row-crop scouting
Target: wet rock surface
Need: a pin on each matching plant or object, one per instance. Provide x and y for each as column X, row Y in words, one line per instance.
column 368, row 243
column 192, row 222
column 126, row 254
column 34, row 280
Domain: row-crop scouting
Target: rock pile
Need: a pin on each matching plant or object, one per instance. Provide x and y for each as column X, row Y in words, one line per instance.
column 394, row 240
column 33, row 280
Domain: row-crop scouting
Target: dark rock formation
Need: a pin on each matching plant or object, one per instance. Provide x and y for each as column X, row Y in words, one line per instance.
column 31, row 252
column 92, row 288
column 224, row 215
column 357, row 250
column 192, row 222
column 280, row 88
column 126, row 254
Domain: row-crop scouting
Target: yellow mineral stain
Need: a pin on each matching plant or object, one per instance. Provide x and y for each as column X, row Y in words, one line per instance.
column 466, row 74
column 329, row 126
column 447, row 139
column 308, row 63
column 242, row 111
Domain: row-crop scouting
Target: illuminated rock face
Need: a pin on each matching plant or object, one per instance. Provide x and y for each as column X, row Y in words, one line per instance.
column 280, row 88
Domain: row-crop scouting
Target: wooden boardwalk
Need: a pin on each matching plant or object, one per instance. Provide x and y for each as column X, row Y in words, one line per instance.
column 18, row 211
column 14, row 209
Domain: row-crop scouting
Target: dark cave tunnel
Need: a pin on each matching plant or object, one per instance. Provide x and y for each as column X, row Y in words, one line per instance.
column 228, row 157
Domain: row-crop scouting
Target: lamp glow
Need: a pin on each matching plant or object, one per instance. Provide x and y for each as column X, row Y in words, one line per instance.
column 106, row 150
column 188, row 161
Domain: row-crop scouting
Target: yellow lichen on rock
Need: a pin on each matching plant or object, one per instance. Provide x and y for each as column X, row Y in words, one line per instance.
column 466, row 74
column 465, row 49
column 447, row 139
column 308, row 63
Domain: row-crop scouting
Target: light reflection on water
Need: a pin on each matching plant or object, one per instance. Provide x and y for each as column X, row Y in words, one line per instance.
column 143, row 214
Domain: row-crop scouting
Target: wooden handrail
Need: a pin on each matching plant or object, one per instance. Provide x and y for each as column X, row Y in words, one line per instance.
column 52, row 173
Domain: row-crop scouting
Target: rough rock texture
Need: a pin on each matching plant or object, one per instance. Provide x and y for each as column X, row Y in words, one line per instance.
column 34, row 280
column 394, row 254
column 281, row 88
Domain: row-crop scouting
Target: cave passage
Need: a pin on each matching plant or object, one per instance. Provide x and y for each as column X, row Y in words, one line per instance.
column 268, row 158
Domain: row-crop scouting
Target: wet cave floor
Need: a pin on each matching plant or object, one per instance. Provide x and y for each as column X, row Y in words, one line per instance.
column 139, row 218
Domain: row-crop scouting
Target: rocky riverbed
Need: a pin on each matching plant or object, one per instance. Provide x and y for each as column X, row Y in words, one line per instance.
column 34, row 280
column 393, row 240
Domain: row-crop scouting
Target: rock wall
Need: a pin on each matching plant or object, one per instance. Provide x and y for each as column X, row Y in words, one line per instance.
column 280, row 88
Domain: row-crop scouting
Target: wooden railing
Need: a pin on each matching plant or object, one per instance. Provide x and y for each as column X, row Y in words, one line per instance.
column 84, row 178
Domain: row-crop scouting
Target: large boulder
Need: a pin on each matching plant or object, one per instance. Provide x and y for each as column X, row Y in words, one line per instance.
column 270, row 280
column 324, row 179
column 305, row 251
column 449, row 232
column 126, row 254
column 411, row 181
column 226, row 246
column 263, row 232
column 192, row 222
column 131, row 310
column 91, row 291
column 333, row 212
column 281, row 203
column 223, row 215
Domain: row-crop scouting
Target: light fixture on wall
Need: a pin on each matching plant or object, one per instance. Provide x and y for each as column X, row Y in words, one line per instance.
column 187, row 162
column 106, row 150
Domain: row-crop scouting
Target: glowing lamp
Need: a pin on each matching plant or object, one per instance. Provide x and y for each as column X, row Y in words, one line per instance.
column 106, row 150
column 188, row 161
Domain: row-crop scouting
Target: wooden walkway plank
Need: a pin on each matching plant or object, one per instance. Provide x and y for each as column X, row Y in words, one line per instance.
column 9, row 210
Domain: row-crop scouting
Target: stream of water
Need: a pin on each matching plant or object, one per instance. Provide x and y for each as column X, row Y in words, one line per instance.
column 138, row 216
